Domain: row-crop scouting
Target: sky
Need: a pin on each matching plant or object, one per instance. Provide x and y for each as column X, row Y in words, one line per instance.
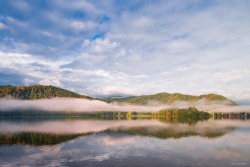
column 134, row 47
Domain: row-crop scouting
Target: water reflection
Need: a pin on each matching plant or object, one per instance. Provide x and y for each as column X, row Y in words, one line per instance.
column 147, row 142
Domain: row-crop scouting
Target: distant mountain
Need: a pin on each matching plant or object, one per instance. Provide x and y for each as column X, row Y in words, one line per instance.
column 39, row 92
column 168, row 98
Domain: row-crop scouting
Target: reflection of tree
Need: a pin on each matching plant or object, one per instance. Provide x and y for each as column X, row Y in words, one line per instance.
column 183, row 120
column 165, row 133
column 37, row 139
column 40, row 139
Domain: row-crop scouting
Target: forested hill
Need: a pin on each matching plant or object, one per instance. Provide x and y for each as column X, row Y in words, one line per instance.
column 42, row 91
column 168, row 98
column 39, row 92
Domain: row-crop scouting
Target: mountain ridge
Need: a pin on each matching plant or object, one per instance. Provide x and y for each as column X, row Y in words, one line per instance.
column 44, row 92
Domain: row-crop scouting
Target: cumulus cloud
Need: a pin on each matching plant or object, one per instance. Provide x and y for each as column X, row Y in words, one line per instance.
column 102, row 46
column 86, row 43
column 54, row 82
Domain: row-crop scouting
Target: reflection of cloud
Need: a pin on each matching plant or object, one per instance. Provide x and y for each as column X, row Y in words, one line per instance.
column 108, row 141
column 54, row 149
column 99, row 157
column 102, row 157
column 73, row 127
column 224, row 152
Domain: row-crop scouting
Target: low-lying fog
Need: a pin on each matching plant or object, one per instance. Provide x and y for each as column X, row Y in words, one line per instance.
column 85, row 105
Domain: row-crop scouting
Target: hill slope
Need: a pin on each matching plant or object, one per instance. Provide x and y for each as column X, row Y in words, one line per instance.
column 38, row 92
column 168, row 98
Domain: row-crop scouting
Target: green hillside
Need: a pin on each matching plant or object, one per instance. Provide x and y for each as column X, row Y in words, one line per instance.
column 42, row 91
column 38, row 92
column 120, row 99
column 168, row 98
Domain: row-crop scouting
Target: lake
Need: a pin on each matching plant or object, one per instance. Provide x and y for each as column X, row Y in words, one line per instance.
column 52, row 141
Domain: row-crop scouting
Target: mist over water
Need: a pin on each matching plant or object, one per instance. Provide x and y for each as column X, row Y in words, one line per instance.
column 84, row 105
column 86, row 126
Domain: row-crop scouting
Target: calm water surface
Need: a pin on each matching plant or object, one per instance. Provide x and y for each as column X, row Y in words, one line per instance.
column 34, row 141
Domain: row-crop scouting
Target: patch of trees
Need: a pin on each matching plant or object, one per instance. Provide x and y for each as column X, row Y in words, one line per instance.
column 183, row 112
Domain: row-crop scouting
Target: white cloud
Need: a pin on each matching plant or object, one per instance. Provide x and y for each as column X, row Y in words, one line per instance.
column 78, row 25
column 21, row 5
column 100, row 46
column 28, row 81
column 115, row 90
column 3, row 26
column 51, row 82
column 227, row 78
column 47, row 34
column 85, row 43
column 121, row 53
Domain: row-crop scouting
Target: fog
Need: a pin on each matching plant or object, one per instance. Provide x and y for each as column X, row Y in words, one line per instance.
column 85, row 105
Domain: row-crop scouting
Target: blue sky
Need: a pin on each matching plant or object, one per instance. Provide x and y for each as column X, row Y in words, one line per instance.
column 105, row 48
